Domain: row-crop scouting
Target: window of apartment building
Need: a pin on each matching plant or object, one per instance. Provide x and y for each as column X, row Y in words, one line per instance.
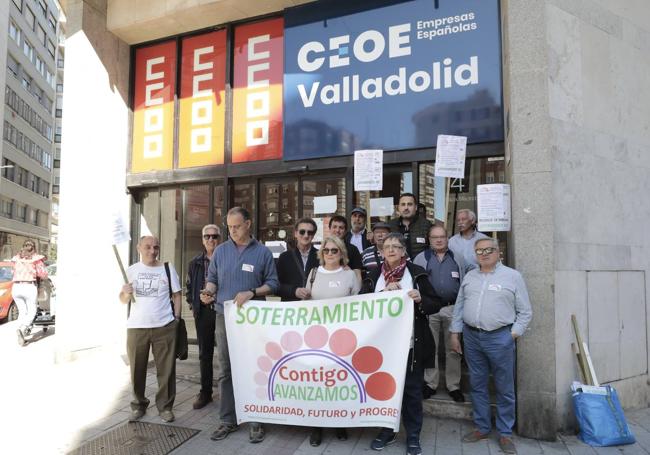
column 21, row 176
column 27, row 82
column 30, row 18
column 50, row 48
column 49, row 77
column 43, row 7
column 12, row 65
column 28, row 50
column 44, row 188
column 32, row 182
column 21, row 213
column 8, row 170
column 19, row 4
column 33, row 217
column 52, row 21
column 40, row 65
column 58, row 113
column 43, row 219
column 14, row 32
column 40, row 32
column 59, row 88
column 7, row 208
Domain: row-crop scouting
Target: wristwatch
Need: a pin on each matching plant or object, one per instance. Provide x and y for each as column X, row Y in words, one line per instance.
column 254, row 291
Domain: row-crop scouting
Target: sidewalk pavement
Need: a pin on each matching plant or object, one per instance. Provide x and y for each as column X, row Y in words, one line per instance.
column 52, row 408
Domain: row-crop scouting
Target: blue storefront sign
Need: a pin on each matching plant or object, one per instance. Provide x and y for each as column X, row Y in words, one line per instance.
column 390, row 77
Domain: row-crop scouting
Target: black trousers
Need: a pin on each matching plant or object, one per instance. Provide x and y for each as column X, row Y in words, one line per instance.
column 205, row 324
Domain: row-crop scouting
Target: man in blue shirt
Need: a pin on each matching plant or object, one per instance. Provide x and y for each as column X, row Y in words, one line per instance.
column 240, row 269
column 492, row 310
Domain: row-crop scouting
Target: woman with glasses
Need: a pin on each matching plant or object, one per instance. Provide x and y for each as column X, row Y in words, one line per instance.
column 398, row 273
column 28, row 269
column 330, row 280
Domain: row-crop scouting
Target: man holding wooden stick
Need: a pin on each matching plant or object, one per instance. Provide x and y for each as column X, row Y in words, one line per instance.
column 492, row 310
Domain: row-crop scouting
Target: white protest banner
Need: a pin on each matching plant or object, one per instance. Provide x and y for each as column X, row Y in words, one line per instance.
column 493, row 207
column 382, row 206
column 324, row 204
column 321, row 363
column 450, row 156
column 119, row 229
column 368, row 170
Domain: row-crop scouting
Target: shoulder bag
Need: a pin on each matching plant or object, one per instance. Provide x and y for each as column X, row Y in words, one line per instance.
column 181, row 330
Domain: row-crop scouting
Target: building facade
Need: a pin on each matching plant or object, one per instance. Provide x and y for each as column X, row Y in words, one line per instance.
column 192, row 114
column 30, row 42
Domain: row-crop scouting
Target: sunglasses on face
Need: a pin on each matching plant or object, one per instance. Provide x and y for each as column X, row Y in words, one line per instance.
column 484, row 251
column 210, row 236
column 330, row 250
column 305, row 231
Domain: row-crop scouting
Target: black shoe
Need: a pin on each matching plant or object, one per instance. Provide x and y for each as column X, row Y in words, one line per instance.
column 427, row 392
column 413, row 448
column 385, row 438
column 316, row 437
column 341, row 434
column 457, row 396
column 201, row 401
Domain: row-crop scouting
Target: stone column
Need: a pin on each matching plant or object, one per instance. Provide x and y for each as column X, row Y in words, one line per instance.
column 95, row 140
column 528, row 167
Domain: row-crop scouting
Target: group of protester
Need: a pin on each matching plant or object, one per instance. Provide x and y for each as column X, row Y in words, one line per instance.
column 458, row 285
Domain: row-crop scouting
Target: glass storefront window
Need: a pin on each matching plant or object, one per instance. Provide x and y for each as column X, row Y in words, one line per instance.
column 242, row 194
column 150, row 217
column 462, row 192
column 171, row 211
column 278, row 209
column 197, row 215
column 397, row 180
column 326, row 186
column 219, row 217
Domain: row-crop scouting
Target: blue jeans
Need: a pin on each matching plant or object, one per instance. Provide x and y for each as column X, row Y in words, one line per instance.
column 494, row 353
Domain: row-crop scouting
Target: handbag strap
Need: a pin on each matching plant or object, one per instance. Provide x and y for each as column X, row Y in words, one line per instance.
column 169, row 284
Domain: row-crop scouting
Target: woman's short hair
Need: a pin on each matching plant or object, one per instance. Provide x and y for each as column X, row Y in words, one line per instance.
column 339, row 244
column 397, row 236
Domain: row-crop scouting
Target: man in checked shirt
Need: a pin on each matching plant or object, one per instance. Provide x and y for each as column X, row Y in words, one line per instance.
column 492, row 310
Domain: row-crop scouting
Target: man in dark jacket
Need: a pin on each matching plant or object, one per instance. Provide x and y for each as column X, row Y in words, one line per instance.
column 204, row 314
column 338, row 227
column 294, row 265
column 398, row 273
column 413, row 227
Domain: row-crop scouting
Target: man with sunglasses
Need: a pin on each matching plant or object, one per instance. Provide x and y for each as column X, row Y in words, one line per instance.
column 294, row 265
column 204, row 314
column 492, row 310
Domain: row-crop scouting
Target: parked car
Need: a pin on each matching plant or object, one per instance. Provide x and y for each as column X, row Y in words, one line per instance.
column 8, row 308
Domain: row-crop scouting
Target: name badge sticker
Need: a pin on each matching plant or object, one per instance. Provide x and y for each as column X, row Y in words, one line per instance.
column 455, row 275
column 494, row 287
column 247, row 267
column 335, row 284
column 420, row 240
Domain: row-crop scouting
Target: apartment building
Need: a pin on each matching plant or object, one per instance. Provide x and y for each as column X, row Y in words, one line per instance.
column 31, row 50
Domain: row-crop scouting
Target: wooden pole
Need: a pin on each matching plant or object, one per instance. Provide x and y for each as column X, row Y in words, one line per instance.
column 583, row 356
column 583, row 375
column 368, row 224
column 447, row 189
column 119, row 262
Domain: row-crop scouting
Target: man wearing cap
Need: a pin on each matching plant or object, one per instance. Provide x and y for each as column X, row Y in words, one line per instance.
column 372, row 256
column 357, row 235
column 412, row 226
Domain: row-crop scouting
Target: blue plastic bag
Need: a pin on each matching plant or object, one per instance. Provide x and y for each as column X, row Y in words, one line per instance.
column 600, row 417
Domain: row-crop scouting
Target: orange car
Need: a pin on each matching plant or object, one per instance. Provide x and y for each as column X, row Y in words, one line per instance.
column 8, row 309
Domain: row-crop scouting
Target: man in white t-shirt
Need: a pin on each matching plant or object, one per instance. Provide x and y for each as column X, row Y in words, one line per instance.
column 152, row 325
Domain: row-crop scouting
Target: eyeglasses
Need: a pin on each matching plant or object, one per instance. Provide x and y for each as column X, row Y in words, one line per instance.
column 393, row 247
column 305, row 231
column 484, row 251
column 211, row 236
column 330, row 251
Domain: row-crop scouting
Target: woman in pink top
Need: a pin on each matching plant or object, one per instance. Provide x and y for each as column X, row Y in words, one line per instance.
column 28, row 267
